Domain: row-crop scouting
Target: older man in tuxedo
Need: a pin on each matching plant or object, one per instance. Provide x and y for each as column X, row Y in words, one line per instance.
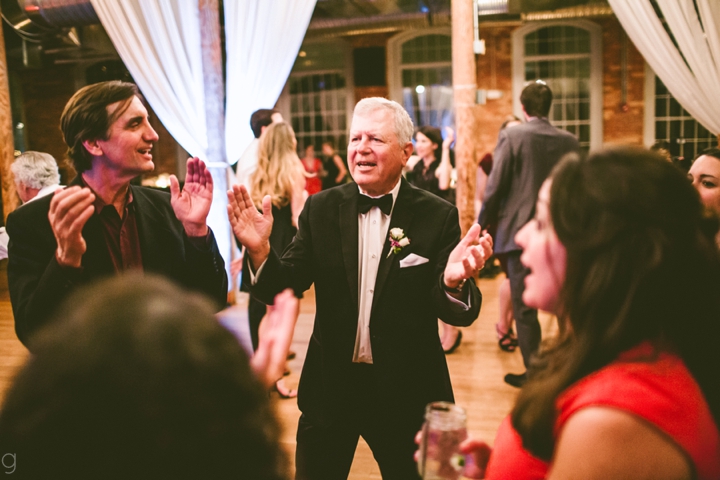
column 387, row 261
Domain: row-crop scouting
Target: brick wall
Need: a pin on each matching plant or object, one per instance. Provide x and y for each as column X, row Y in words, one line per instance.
column 45, row 93
column 494, row 72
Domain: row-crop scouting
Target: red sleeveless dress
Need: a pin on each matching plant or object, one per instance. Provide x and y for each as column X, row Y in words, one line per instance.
column 655, row 386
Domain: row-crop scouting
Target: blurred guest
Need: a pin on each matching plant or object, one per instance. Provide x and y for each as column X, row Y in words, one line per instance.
column 507, row 341
column 705, row 176
column 137, row 379
column 629, row 389
column 523, row 158
column 432, row 171
column 279, row 175
column 431, row 168
column 259, row 121
column 333, row 165
column 314, row 172
column 36, row 175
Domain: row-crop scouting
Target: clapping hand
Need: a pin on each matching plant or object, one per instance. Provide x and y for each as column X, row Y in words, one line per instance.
column 449, row 138
column 70, row 209
column 192, row 204
column 251, row 228
column 468, row 257
column 276, row 331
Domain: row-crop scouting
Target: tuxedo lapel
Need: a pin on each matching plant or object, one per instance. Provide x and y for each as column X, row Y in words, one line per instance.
column 349, row 240
column 402, row 215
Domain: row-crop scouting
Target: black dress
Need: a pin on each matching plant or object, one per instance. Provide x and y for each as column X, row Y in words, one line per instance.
column 332, row 173
column 427, row 180
column 282, row 234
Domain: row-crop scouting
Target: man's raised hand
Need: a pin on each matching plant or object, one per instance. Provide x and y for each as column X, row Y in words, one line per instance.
column 251, row 228
column 468, row 257
column 192, row 204
column 70, row 209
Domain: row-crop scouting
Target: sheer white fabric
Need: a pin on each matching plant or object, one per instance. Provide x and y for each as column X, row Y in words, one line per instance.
column 262, row 41
column 693, row 84
column 159, row 42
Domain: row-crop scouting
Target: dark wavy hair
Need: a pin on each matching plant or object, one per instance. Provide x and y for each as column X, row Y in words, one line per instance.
column 536, row 99
column 640, row 267
column 85, row 117
column 135, row 378
column 435, row 136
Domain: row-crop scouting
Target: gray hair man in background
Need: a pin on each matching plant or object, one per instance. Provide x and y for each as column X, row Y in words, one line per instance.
column 36, row 175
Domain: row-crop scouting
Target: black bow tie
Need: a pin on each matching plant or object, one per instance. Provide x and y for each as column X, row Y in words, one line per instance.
column 384, row 203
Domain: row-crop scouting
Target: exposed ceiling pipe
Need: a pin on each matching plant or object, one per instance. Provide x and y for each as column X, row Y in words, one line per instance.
column 60, row 13
column 35, row 18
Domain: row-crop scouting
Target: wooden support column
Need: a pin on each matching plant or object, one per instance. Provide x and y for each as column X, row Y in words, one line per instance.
column 213, row 79
column 214, row 84
column 7, row 144
column 464, row 87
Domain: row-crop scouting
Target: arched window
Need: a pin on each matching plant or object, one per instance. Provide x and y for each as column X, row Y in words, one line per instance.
column 318, row 98
column 567, row 56
column 420, row 63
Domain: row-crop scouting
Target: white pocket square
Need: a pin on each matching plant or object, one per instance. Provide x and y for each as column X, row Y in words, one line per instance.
column 412, row 260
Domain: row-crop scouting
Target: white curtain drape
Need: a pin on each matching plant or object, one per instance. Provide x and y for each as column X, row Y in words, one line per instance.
column 159, row 42
column 694, row 84
column 262, row 41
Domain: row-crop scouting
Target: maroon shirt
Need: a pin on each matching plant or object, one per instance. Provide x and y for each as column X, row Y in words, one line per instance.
column 121, row 234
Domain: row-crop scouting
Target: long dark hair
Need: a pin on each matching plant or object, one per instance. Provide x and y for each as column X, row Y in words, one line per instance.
column 639, row 268
column 435, row 136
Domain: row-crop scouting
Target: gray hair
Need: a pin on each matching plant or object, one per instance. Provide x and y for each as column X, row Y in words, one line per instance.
column 36, row 169
column 404, row 128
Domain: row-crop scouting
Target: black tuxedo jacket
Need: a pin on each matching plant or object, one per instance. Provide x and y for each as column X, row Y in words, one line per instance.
column 407, row 356
column 38, row 284
column 524, row 156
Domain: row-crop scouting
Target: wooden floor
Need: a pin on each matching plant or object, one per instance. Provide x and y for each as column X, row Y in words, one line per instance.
column 476, row 368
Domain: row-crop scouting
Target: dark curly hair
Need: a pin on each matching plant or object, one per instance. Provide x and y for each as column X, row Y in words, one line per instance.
column 135, row 378
column 86, row 117
column 640, row 267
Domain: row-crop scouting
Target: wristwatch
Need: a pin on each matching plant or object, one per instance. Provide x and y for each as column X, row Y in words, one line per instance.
column 457, row 289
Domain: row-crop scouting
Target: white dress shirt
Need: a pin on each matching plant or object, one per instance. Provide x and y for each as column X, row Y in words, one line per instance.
column 372, row 234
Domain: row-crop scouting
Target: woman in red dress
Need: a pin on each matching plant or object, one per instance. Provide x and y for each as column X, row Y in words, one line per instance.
column 313, row 170
column 620, row 251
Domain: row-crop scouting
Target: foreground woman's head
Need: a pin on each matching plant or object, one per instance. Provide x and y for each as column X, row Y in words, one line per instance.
column 619, row 250
column 136, row 379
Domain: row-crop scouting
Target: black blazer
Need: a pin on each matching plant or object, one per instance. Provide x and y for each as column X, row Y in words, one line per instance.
column 523, row 158
column 407, row 355
column 38, row 284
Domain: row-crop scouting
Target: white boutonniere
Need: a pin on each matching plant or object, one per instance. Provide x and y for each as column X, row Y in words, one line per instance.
column 398, row 240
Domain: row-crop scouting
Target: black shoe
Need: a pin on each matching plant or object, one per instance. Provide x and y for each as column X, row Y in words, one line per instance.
column 455, row 345
column 516, row 380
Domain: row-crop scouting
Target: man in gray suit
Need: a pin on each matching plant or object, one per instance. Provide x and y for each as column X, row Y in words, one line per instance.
column 523, row 158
